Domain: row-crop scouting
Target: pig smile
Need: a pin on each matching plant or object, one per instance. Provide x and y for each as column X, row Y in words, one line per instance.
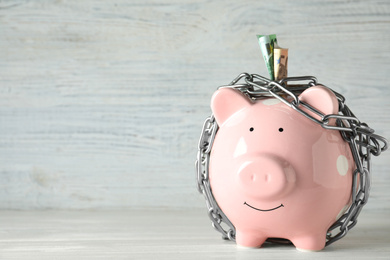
column 281, row 205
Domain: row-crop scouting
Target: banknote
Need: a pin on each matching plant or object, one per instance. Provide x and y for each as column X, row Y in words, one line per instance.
column 280, row 63
column 274, row 41
column 267, row 43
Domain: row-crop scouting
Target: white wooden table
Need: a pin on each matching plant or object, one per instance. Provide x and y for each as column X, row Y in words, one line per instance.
column 160, row 234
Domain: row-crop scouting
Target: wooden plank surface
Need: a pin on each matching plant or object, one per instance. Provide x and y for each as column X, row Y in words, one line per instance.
column 161, row 234
column 101, row 103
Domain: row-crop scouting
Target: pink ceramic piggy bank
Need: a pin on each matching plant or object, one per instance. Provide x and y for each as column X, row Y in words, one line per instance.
column 277, row 174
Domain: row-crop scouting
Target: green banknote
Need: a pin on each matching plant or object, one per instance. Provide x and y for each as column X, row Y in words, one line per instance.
column 267, row 44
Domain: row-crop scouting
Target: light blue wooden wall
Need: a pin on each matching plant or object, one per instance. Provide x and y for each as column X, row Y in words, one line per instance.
column 102, row 102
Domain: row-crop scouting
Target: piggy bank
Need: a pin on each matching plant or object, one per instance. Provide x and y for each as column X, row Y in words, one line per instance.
column 276, row 174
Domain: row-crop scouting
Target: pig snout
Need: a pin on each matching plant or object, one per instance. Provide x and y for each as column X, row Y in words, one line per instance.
column 266, row 177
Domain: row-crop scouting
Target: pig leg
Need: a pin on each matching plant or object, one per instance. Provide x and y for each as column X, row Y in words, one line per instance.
column 249, row 238
column 312, row 242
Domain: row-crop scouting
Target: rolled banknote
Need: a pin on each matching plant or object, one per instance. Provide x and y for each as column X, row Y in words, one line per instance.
column 280, row 63
column 274, row 41
column 267, row 43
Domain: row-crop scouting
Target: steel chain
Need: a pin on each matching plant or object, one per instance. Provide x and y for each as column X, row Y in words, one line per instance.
column 361, row 138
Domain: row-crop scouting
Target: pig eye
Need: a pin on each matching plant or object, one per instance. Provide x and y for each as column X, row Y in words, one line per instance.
column 251, row 129
column 280, row 129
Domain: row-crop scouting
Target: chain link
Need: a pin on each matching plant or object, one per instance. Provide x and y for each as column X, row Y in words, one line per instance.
column 360, row 137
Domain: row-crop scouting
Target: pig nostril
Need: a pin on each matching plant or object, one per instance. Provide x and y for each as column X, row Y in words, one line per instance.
column 253, row 177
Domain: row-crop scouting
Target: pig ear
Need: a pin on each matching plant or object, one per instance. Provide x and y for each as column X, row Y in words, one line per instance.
column 227, row 101
column 321, row 98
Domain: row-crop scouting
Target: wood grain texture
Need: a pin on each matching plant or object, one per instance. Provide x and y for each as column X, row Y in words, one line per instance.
column 102, row 103
column 160, row 234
